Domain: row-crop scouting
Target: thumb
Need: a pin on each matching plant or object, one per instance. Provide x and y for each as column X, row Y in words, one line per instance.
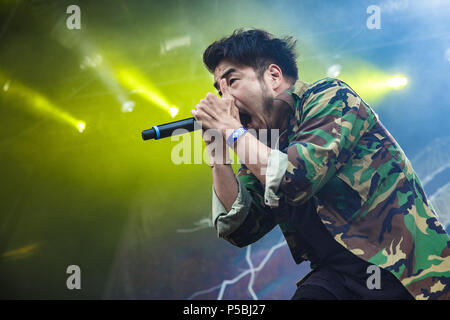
column 226, row 94
column 206, row 135
column 225, row 89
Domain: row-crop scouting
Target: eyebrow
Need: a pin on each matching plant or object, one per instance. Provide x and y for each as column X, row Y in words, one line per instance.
column 224, row 75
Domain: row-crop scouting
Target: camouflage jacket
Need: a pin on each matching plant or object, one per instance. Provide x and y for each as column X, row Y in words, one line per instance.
column 365, row 191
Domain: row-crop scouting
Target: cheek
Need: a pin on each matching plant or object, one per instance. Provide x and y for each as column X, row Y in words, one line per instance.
column 249, row 100
column 240, row 93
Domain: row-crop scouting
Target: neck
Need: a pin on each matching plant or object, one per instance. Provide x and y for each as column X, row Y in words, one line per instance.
column 282, row 105
column 279, row 117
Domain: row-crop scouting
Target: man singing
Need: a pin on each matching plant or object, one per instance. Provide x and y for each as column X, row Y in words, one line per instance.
column 336, row 182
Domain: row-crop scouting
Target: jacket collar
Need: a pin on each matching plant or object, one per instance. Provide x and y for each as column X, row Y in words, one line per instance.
column 292, row 97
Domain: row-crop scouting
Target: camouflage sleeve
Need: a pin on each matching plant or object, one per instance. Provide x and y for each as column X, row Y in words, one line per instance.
column 226, row 222
column 333, row 120
column 259, row 219
column 276, row 167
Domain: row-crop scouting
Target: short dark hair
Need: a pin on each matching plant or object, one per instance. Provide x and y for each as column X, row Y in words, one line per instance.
column 254, row 48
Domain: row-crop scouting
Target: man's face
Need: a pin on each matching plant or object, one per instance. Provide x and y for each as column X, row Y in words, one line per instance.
column 252, row 96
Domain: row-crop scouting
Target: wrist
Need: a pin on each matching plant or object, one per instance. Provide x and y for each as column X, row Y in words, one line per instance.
column 219, row 155
column 235, row 135
column 229, row 128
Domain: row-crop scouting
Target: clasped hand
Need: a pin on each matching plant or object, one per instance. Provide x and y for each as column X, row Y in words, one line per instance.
column 218, row 113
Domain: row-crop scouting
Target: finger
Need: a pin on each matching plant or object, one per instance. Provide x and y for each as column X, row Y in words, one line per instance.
column 226, row 93
column 201, row 116
column 208, row 104
column 194, row 113
column 211, row 97
column 206, row 108
column 235, row 112
column 206, row 135
column 225, row 89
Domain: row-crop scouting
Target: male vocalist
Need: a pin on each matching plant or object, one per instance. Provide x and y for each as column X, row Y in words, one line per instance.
column 336, row 182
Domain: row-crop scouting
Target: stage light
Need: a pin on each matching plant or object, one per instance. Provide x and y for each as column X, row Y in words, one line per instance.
column 106, row 74
column 369, row 81
column 138, row 84
column 93, row 61
column 334, row 70
column 38, row 104
column 81, row 126
column 91, row 58
column 21, row 252
column 173, row 111
column 171, row 44
column 6, row 85
column 128, row 106
column 43, row 106
column 397, row 82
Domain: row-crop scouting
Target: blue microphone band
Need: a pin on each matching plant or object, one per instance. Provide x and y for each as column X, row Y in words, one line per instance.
column 158, row 134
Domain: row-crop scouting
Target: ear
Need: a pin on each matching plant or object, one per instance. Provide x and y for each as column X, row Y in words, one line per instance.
column 274, row 76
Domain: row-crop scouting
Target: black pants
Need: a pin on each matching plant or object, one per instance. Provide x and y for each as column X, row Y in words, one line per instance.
column 327, row 284
column 312, row 292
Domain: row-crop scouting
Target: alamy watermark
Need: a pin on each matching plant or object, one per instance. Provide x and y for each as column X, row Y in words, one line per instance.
column 374, row 280
column 74, row 20
column 74, row 280
column 190, row 150
column 374, row 20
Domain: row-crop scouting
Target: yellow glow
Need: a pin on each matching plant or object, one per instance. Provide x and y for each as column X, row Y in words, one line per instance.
column 135, row 81
column 21, row 252
column 44, row 106
column 81, row 126
column 371, row 83
column 397, row 81
column 173, row 111
column 39, row 104
column 6, row 85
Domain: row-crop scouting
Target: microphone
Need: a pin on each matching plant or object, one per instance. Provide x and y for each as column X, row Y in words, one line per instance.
column 166, row 130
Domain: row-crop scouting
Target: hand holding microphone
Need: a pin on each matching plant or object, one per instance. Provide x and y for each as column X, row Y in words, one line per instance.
column 213, row 112
column 217, row 115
